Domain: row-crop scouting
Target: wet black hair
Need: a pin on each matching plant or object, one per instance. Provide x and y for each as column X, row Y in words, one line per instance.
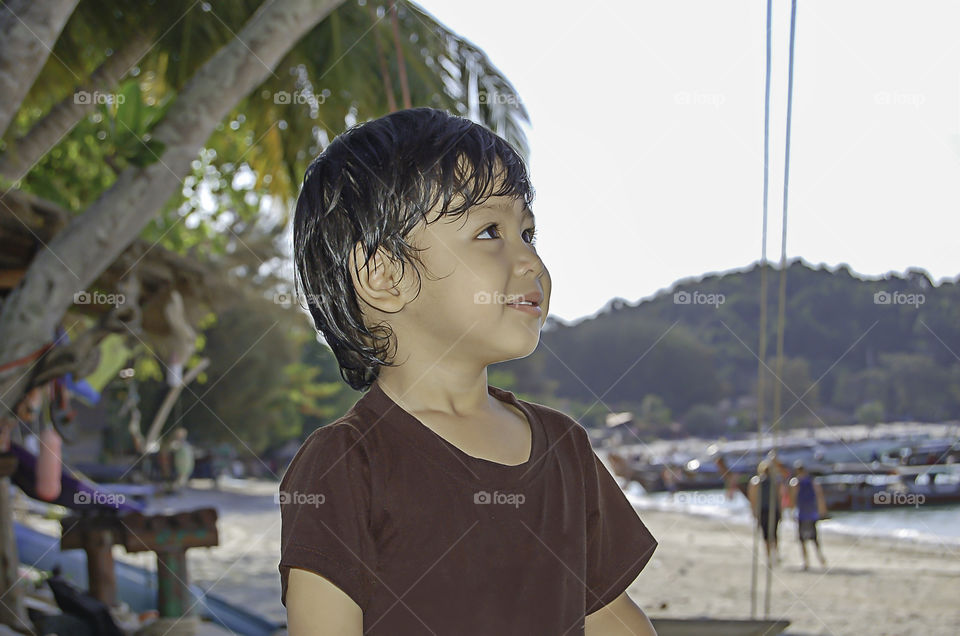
column 374, row 184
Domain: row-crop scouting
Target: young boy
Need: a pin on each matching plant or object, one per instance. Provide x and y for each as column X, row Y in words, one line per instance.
column 811, row 506
column 439, row 504
column 758, row 492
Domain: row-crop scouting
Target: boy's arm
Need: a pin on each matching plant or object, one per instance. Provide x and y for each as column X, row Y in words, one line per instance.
column 316, row 607
column 621, row 617
column 821, row 500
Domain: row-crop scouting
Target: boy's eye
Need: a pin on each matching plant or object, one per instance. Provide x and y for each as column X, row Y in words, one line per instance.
column 531, row 232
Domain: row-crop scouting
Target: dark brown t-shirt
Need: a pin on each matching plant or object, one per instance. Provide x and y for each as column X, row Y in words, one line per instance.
column 427, row 539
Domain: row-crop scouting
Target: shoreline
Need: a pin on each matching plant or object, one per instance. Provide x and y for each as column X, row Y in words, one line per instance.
column 840, row 526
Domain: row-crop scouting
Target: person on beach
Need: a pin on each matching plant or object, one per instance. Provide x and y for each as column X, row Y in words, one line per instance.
column 759, row 495
column 183, row 458
column 811, row 506
column 734, row 481
column 439, row 503
column 669, row 480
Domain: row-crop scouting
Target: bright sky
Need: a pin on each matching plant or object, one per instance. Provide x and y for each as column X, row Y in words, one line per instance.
column 647, row 138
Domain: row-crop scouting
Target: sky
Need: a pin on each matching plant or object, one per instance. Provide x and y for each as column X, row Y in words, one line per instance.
column 647, row 136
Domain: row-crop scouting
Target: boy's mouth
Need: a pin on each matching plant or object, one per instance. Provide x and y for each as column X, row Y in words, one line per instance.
column 532, row 299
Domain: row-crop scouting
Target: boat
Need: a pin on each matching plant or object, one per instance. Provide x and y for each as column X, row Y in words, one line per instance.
column 933, row 452
column 692, row 475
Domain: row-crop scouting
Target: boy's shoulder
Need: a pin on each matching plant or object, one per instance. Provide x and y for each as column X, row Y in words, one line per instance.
column 335, row 438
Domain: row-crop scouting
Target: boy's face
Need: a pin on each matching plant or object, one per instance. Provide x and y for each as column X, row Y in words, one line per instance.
column 476, row 265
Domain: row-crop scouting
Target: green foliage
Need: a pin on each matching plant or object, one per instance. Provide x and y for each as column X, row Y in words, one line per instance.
column 87, row 161
column 705, row 419
column 870, row 413
column 653, row 411
column 256, row 387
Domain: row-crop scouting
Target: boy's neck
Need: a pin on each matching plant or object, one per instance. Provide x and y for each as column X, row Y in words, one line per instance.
column 436, row 393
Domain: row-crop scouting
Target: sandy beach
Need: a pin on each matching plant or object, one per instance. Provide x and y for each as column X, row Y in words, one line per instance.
column 702, row 567
column 877, row 586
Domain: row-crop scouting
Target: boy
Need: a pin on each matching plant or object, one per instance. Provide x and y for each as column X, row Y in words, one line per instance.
column 811, row 506
column 758, row 492
column 439, row 504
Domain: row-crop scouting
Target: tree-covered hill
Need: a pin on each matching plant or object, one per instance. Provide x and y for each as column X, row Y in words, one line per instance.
column 855, row 349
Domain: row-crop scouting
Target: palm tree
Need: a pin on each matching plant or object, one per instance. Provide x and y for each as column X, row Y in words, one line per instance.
column 263, row 82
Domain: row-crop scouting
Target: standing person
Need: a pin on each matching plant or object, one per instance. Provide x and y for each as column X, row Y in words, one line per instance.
column 183, row 459
column 734, row 481
column 811, row 507
column 439, row 503
column 759, row 495
column 669, row 480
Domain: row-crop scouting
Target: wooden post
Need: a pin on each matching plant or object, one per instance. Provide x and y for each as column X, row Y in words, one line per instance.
column 170, row 536
column 101, row 577
column 96, row 534
column 12, row 611
column 173, row 592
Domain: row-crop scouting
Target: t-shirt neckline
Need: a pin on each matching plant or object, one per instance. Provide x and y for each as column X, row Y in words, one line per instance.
column 451, row 459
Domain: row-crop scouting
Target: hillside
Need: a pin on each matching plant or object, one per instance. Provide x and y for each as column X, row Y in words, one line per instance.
column 855, row 349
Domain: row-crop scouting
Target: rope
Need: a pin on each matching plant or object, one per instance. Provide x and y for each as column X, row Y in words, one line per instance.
column 763, row 296
column 774, row 494
column 27, row 358
column 781, row 309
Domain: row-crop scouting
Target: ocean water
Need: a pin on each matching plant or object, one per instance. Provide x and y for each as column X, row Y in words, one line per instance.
column 925, row 524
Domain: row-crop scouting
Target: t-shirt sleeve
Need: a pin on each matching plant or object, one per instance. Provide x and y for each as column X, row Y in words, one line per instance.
column 325, row 504
column 619, row 545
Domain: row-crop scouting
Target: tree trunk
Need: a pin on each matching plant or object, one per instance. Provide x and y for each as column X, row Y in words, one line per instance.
column 21, row 154
column 168, row 401
column 28, row 30
column 92, row 240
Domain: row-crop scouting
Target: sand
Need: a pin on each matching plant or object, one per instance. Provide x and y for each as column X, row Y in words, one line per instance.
column 876, row 586
column 702, row 567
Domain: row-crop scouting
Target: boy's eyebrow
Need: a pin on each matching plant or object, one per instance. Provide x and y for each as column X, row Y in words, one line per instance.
column 526, row 213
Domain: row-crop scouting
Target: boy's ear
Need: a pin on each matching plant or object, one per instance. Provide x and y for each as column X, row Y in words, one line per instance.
column 378, row 283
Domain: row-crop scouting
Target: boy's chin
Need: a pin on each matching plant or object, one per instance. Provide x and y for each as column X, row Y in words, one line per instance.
column 521, row 350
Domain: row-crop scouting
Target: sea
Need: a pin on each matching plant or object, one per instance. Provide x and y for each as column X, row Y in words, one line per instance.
column 919, row 523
